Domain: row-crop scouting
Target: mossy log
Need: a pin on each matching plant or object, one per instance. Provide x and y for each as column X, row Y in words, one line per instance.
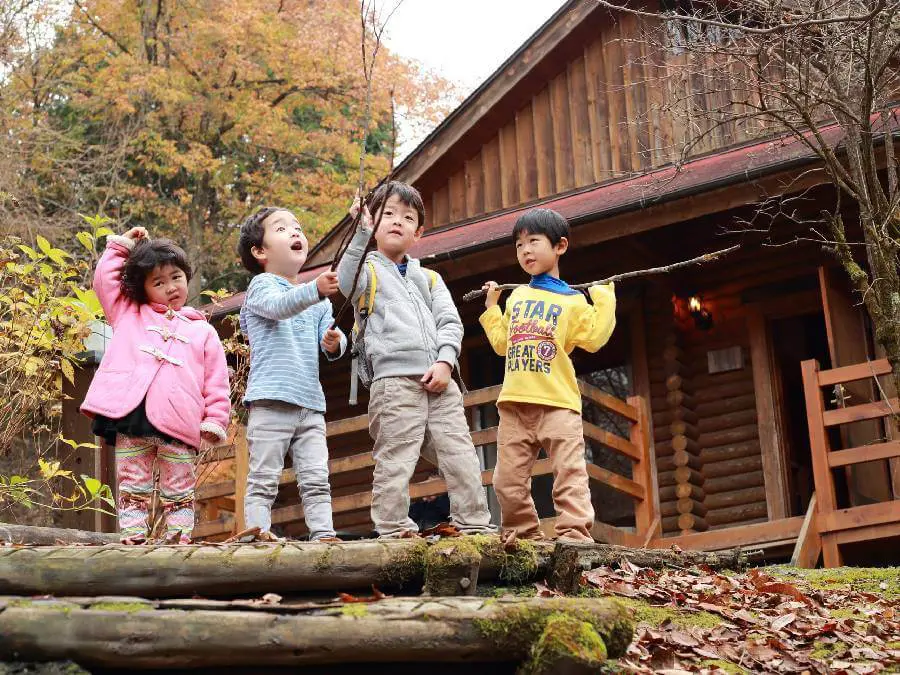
column 138, row 634
column 49, row 536
column 245, row 569
column 571, row 559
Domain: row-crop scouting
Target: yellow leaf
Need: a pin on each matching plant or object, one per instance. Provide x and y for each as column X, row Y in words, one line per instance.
column 68, row 370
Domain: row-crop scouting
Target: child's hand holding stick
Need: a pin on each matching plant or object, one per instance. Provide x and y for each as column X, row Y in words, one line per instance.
column 492, row 287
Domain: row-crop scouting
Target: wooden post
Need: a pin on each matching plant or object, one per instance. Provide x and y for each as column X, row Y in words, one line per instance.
column 645, row 472
column 819, row 446
column 646, row 511
column 809, row 543
column 241, row 469
column 771, row 441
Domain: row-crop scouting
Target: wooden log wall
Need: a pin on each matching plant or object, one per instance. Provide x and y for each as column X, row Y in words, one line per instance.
column 616, row 109
column 706, row 436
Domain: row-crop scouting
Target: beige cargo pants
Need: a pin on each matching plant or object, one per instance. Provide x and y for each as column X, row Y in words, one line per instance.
column 402, row 418
column 525, row 428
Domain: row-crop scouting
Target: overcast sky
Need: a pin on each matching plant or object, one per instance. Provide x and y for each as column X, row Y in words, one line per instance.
column 464, row 40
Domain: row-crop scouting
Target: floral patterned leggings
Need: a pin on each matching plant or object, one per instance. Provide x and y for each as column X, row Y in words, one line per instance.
column 134, row 473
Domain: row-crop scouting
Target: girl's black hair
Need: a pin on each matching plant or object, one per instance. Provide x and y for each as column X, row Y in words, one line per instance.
column 252, row 232
column 542, row 221
column 146, row 256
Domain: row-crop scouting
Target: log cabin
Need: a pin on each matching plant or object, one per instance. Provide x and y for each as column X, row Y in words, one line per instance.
column 713, row 413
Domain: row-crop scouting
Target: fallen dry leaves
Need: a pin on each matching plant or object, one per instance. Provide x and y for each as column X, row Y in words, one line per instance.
column 767, row 625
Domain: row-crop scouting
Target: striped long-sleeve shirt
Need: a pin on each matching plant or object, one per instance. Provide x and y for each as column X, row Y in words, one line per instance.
column 284, row 325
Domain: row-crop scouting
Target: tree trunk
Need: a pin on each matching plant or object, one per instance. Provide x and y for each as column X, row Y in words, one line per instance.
column 133, row 633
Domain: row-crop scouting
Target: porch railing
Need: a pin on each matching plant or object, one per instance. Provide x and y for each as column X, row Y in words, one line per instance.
column 832, row 525
column 222, row 501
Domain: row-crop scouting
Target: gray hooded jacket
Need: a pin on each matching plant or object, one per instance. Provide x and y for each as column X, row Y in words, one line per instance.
column 404, row 334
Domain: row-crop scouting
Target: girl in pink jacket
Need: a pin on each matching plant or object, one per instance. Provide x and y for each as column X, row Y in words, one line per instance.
column 162, row 385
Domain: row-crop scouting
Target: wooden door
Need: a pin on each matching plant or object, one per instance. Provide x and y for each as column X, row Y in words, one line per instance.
column 848, row 344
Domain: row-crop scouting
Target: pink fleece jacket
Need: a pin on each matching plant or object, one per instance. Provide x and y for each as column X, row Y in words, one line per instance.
column 173, row 359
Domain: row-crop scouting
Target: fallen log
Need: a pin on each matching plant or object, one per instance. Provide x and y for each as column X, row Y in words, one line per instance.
column 243, row 569
column 570, row 559
column 29, row 534
column 133, row 633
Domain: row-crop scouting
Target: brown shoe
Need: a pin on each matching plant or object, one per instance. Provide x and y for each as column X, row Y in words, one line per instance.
column 326, row 540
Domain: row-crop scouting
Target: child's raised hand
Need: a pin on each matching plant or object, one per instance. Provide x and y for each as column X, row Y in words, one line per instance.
column 136, row 233
column 327, row 283
column 331, row 341
column 491, row 293
column 437, row 377
column 366, row 220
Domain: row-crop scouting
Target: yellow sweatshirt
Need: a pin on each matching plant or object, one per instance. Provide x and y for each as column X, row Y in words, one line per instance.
column 536, row 334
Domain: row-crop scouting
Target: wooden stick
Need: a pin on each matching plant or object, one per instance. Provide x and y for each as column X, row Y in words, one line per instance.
column 699, row 260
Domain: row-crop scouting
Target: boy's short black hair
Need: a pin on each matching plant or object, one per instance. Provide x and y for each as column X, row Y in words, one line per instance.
column 542, row 221
column 146, row 256
column 252, row 231
column 405, row 193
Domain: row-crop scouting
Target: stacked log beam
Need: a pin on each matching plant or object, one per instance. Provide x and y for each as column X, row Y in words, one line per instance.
column 682, row 452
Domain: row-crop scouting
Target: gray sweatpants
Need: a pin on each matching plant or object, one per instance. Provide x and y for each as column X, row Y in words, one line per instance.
column 403, row 417
column 273, row 428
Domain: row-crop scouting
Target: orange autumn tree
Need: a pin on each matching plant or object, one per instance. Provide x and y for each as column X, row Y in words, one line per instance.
column 198, row 111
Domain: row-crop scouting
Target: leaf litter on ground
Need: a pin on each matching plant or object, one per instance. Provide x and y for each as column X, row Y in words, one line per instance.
column 766, row 624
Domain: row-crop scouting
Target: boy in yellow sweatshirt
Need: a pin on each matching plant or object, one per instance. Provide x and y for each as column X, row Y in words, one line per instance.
column 539, row 404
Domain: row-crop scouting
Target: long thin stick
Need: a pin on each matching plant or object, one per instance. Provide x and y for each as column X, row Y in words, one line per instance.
column 699, row 260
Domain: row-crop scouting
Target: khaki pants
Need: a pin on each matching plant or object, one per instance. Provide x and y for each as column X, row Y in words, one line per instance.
column 403, row 417
column 525, row 428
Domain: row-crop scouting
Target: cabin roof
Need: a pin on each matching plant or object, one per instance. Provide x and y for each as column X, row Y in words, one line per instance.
column 598, row 202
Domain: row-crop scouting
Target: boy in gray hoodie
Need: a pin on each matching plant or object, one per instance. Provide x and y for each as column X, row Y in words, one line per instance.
column 413, row 337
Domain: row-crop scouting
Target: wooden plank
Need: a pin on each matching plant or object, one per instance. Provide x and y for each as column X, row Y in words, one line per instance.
column 615, row 86
column 241, row 470
column 860, row 516
column 646, row 512
column 474, row 186
column 866, row 453
column 871, row 533
column 562, row 133
column 484, row 436
column 348, row 425
column 615, row 481
column 215, row 528
column 440, row 209
column 809, row 543
column 640, row 373
column 543, row 144
column 482, row 396
column 509, row 166
column 624, row 447
column 458, row 196
column 768, row 412
column 213, row 490
column 491, row 172
column 634, row 93
column 754, row 535
column 818, row 439
column 607, row 401
column 579, row 122
column 859, row 413
column 598, row 114
column 525, row 155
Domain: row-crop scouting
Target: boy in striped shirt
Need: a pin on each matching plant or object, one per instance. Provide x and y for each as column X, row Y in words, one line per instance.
column 286, row 323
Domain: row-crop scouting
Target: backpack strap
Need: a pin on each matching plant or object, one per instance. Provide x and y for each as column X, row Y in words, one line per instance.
column 364, row 303
column 364, row 308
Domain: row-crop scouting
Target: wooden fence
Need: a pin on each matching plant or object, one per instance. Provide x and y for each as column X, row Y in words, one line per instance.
column 827, row 525
column 221, row 501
